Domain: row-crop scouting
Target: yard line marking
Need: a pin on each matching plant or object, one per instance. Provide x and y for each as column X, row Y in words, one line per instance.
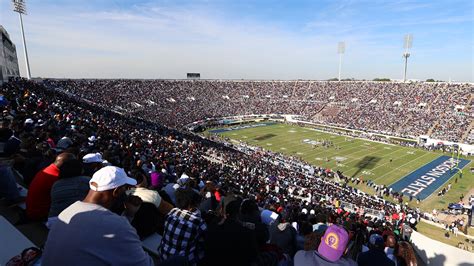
column 447, row 180
column 393, row 160
column 411, row 161
column 373, row 153
column 356, row 146
column 348, row 145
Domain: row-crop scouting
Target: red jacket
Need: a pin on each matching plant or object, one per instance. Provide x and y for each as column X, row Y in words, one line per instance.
column 38, row 199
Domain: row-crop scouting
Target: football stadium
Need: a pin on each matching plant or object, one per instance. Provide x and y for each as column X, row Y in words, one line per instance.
column 113, row 153
column 360, row 158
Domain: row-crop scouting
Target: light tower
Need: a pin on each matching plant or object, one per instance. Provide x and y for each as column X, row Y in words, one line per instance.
column 341, row 48
column 407, row 43
column 19, row 6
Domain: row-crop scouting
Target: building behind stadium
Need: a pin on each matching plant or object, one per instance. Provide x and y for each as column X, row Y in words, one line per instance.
column 8, row 58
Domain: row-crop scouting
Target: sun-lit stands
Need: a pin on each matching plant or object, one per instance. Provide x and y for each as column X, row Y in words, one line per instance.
column 210, row 166
column 401, row 109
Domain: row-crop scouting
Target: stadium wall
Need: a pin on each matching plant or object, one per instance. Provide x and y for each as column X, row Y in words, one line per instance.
column 466, row 149
column 433, row 252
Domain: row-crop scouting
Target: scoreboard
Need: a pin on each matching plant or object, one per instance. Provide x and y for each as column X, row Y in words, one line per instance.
column 194, row 75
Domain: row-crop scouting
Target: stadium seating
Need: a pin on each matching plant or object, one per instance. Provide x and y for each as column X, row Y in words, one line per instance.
column 45, row 115
column 441, row 110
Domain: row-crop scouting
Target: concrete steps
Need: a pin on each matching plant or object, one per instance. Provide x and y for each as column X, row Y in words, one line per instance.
column 466, row 133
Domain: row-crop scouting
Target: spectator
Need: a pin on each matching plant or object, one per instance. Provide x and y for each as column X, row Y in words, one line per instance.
column 273, row 181
column 70, row 187
column 283, row 235
column 184, row 229
column 231, row 242
column 38, row 199
column 376, row 254
column 390, row 245
column 150, row 216
column 92, row 163
column 9, row 146
column 330, row 250
column 321, row 222
column 148, row 195
column 357, row 243
column 250, row 215
column 406, row 231
column 405, row 254
column 87, row 233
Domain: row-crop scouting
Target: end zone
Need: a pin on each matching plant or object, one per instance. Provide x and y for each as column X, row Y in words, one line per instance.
column 427, row 179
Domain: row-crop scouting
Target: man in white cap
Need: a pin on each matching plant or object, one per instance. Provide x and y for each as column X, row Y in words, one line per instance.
column 88, row 233
column 92, row 163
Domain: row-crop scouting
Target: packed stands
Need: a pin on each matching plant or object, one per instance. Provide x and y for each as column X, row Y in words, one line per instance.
column 209, row 203
column 441, row 110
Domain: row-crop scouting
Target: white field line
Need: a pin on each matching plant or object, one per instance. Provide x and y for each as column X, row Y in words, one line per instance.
column 388, row 161
column 299, row 144
column 370, row 154
column 357, row 146
column 319, row 130
column 409, row 162
column 351, row 143
column 331, row 154
column 269, row 128
column 445, row 182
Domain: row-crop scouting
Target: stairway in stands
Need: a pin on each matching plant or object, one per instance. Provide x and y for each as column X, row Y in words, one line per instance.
column 471, row 126
column 430, row 104
column 293, row 92
column 466, row 133
column 408, row 119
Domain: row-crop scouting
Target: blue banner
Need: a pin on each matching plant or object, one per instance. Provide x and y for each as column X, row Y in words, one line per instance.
column 422, row 182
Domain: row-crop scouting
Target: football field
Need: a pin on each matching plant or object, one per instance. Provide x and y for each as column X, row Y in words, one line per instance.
column 382, row 163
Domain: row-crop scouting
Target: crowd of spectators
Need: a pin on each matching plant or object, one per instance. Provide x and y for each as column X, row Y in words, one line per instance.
column 402, row 109
column 103, row 181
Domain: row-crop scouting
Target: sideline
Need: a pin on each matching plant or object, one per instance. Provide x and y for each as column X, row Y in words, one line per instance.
column 347, row 136
column 439, row 225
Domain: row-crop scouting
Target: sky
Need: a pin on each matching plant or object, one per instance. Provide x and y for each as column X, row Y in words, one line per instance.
column 244, row 39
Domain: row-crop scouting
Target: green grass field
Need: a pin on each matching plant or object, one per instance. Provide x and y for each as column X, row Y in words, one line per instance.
column 437, row 233
column 357, row 157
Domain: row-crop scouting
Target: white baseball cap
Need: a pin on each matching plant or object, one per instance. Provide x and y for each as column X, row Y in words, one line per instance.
column 92, row 158
column 110, row 177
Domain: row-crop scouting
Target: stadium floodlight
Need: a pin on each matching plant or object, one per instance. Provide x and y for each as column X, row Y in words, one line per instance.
column 407, row 43
column 341, row 48
column 19, row 6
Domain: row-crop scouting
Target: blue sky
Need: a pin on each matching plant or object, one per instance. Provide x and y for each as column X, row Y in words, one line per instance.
column 245, row 39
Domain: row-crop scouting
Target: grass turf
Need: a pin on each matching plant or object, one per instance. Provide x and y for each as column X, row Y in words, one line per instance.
column 380, row 162
column 438, row 234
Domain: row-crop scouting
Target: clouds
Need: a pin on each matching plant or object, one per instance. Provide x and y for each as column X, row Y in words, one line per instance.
column 221, row 39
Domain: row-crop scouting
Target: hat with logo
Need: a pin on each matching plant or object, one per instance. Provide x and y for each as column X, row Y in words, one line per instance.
column 110, row 177
column 333, row 243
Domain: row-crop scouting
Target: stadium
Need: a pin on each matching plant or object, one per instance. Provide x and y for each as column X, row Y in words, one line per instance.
column 216, row 171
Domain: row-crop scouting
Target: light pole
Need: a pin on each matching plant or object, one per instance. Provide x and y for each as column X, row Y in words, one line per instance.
column 407, row 43
column 19, row 6
column 341, row 48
